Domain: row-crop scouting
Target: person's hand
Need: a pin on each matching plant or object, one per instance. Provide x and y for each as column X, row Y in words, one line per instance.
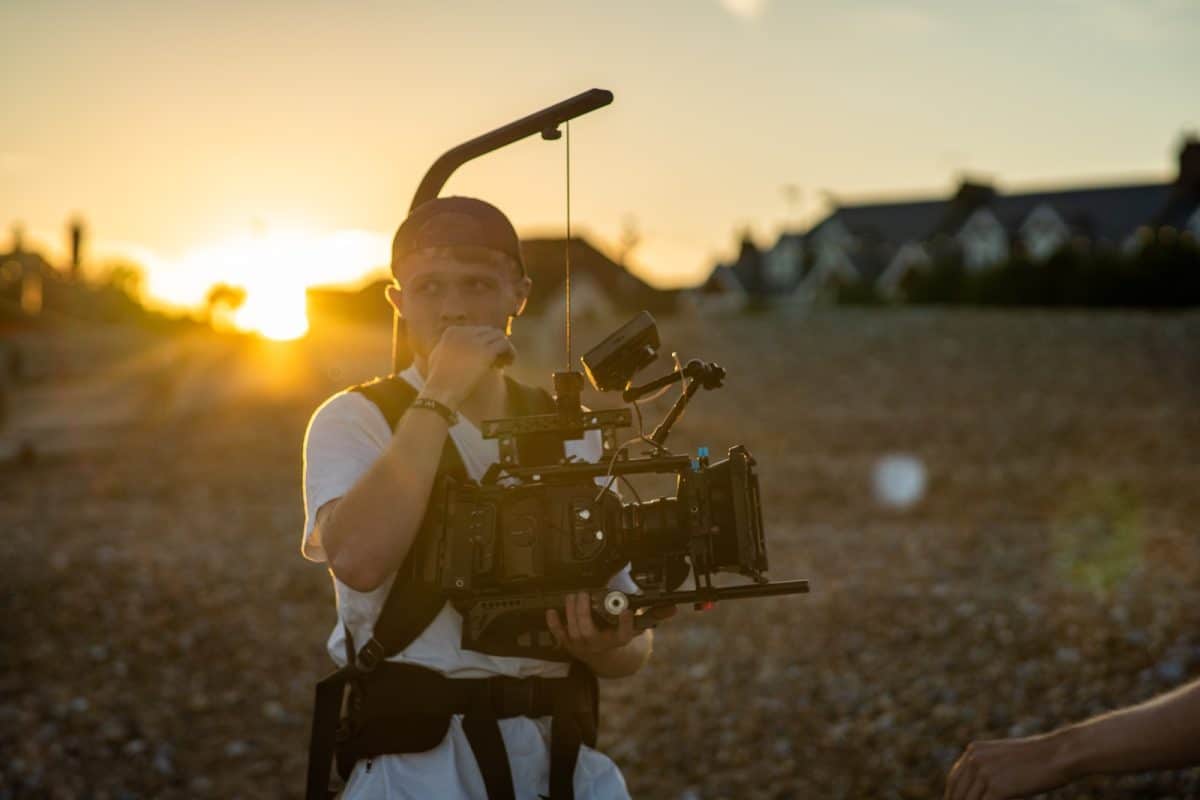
column 461, row 358
column 1004, row 768
column 580, row 636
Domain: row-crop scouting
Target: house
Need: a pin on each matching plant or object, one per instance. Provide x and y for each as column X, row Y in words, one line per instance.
column 722, row 290
column 600, row 288
column 878, row 243
column 754, row 277
column 28, row 283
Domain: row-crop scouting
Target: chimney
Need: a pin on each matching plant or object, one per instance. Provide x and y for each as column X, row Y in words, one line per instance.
column 1188, row 181
column 972, row 194
column 76, row 246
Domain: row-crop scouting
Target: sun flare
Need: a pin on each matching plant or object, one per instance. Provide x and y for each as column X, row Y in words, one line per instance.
column 274, row 268
column 277, row 314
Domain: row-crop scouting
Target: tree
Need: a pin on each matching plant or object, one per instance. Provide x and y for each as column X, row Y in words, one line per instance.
column 124, row 276
column 222, row 300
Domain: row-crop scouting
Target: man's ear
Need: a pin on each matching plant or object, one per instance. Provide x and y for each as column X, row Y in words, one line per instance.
column 394, row 296
column 524, row 286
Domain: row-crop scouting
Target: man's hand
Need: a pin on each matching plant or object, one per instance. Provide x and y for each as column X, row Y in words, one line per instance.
column 594, row 646
column 1161, row 733
column 461, row 358
column 1007, row 768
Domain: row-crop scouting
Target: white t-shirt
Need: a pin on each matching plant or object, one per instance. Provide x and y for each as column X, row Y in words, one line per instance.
column 345, row 436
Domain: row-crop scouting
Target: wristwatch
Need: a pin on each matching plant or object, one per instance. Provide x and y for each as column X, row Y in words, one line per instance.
column 441, row 409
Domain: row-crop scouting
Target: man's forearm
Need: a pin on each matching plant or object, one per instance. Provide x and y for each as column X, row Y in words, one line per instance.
column 1162, row 733
column 374, row 524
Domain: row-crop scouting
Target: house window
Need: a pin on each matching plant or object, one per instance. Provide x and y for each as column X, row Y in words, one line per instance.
column 984, row 240
column 909, row 257
column 783, row 263
column 1193, row 224
column 1044, row 233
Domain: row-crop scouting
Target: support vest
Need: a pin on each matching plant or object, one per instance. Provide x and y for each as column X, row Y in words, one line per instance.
column 373, row 707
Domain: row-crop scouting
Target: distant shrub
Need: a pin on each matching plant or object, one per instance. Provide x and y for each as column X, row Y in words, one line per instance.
column 1163, row 273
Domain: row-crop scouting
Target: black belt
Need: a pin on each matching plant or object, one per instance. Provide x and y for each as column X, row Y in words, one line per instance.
column 401, row 708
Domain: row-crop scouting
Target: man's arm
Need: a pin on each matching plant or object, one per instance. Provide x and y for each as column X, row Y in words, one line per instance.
column 368, row 531
column 1162, row 733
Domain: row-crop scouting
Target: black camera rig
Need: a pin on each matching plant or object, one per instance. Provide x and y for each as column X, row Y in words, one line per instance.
column 517, row 543
column 528, row 534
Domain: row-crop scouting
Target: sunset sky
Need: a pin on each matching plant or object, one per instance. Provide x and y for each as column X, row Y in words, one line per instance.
column 211, row 140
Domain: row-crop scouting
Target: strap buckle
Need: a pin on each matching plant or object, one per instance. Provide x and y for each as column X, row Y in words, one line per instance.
column 369, row 656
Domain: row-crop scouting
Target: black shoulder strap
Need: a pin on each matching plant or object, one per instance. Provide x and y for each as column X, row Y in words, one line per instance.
column 412, row 604
column 392, row 396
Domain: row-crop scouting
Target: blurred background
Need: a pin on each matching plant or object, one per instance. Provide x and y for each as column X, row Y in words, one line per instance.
column 947, row 254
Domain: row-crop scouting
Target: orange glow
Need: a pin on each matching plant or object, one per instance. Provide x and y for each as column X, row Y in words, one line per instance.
column 278, row 314
column 274, row 268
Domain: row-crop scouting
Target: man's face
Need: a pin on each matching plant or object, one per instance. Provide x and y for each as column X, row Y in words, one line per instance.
column 457, row 286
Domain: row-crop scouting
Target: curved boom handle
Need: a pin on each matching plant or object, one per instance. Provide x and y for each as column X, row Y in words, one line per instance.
column 546, row 119
column 435, row 178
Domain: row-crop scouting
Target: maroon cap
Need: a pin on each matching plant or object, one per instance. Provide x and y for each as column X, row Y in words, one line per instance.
column 456, row 222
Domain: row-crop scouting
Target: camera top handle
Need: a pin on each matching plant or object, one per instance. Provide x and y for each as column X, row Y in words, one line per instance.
column 545, row 122
column 699, row 374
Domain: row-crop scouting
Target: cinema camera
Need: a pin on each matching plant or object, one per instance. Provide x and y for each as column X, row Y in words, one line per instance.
column 528, row 534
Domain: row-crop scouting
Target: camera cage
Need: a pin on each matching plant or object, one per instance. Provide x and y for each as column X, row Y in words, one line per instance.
column 610, row 366
column 718, row 504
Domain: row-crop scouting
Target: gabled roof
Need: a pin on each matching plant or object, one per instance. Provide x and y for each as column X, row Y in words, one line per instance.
column 545, row 263
column 889, row 221
column 722, row 280
column 1102, row 213
column 789, row 238
column 32, row 261
column 1108, row 213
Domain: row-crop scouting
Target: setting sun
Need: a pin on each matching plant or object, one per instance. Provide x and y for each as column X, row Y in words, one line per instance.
column 278, row 313
column 273, row 268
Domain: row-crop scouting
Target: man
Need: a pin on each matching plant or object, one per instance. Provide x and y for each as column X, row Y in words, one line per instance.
column 1162, row 733
column 459, row 282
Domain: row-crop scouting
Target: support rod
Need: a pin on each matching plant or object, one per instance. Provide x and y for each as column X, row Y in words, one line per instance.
column 544, row 122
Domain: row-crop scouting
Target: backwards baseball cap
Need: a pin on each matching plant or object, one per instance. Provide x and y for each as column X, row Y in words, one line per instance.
column 456, row 222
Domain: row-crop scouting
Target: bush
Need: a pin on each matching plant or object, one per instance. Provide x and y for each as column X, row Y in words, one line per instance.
column 1163, row 273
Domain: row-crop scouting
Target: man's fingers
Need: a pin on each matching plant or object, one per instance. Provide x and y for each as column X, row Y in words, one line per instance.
column 625, row 630
column 501, row 348
column 583, row 610
column 508, row 353
column 489, row 335
column 556, row 628
column 979, row 786
column 495, row 345
column 955, row 784
column 966, row 780
column 572, row 620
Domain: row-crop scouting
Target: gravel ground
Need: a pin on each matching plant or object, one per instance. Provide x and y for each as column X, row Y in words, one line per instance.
column 161, row 632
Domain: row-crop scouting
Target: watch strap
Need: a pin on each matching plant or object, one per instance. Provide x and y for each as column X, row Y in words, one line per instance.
column 441, row 409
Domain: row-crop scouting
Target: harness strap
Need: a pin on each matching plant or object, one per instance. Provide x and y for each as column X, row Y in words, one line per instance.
column 407, row 710
column 483, row 734
column 573, row 725
column 323, row 738
column 403, row 708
